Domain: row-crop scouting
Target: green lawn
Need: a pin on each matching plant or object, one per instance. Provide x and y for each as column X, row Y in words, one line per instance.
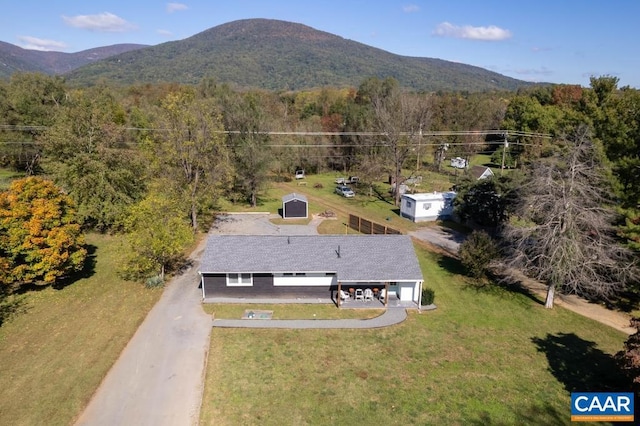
column 487, row 356
column 60, row 344
column 6, row 176
column 294, row 311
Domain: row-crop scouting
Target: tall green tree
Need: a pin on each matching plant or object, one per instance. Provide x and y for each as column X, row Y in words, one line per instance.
column 158, row 233
column 40, row 239
column 486, row 202
column 192, row 151
column 88, row 153
column 247, row 122
column 29, row 101
column 562, row 231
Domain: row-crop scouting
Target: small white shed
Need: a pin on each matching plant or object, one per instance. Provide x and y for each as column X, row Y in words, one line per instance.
column 427, row 206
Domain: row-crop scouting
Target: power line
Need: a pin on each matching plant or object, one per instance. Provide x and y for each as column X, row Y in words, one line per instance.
column 499, row 132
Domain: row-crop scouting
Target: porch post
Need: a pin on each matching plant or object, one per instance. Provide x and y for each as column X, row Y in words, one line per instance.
column 202, row 284
column 420, row 294
column 339, row 292
column 386, row 293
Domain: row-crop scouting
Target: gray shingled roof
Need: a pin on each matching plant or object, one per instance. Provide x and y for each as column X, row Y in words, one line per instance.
column 362, row 257
column 294, row 196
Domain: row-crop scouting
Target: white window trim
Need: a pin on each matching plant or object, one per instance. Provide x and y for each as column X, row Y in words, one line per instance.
column 242, row 281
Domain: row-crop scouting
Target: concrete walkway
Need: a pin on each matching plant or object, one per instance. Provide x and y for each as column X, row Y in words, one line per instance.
column 390, row 317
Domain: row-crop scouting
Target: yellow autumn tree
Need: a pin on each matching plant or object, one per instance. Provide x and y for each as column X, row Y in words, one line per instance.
column 40, row 239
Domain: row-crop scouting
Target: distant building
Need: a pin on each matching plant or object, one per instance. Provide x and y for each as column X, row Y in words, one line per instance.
column 459, row 163
column 480, row 172
column 427, row 206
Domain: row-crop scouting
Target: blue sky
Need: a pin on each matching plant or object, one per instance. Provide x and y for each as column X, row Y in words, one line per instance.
column 559, row 41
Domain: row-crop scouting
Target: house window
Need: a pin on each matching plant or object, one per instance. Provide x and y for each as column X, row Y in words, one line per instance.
column 239, row 280
column 426, row 206
column 409, row 204
column 288, row 274
column 300, row 274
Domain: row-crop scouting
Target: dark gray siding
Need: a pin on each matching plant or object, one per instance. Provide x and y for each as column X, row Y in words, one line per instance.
column 295, row 209
column 215, row 285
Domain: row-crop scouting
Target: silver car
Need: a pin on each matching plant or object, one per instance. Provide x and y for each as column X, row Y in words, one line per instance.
column 345, row 191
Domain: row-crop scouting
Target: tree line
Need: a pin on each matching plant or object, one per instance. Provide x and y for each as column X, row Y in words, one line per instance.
column 142, row 159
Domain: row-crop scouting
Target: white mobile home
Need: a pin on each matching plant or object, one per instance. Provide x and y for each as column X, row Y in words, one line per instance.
column 427, row 206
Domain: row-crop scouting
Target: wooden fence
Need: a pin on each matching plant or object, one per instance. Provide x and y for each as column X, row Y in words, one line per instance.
column 365, row 226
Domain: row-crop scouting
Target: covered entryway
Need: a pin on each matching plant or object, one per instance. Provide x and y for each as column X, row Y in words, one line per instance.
column 387, row 293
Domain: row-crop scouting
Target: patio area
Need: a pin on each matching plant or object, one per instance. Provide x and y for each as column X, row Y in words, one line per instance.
column 353, row 300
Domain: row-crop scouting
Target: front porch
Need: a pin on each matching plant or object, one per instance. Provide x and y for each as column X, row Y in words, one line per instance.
column 381, row 294
column 393, row 302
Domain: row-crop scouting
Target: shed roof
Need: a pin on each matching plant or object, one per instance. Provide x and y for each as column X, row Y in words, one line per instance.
column 351, row 257
column 430, row 196
column 294, row 196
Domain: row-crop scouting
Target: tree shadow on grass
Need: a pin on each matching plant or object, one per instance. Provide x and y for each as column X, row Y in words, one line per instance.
column 580, row 365
column 540, row 414
column 11, row 305
column 87, row 271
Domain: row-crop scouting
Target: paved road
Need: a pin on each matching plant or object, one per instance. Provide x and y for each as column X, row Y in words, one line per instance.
column 158, row 379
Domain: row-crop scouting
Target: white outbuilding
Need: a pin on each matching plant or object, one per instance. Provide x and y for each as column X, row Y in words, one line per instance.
column 427, row 206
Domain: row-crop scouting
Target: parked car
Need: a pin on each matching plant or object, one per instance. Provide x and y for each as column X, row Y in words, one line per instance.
column 341, row 180
column 345, row 191
column 353, row 179
column 299, row 174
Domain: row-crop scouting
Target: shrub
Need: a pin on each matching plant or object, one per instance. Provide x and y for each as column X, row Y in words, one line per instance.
column 155, row 281
column 477, row 252
column 428, row 295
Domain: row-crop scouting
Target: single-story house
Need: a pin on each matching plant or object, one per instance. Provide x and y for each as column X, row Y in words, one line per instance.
column 427, row 206
column 309, row 266
column 481, row 172
column 295, row 206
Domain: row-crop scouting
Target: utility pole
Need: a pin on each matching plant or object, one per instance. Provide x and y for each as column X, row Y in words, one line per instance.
column 504, row 152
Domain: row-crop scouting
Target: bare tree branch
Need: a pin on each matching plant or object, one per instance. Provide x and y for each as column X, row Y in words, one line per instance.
column 563, row 233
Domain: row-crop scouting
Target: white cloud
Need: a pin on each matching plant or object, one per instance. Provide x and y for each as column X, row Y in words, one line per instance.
column 35, row 43
column 410, row 8
column 173, row 7
column 165, row 33
column 490, row 33
column 103, row 22
column 540, row 49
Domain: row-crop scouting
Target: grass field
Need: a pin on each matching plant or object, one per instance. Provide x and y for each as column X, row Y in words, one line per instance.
column 57, row 347
column 485, row 356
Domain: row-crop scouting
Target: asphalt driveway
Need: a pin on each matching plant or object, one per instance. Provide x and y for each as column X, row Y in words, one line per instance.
column 158, row 379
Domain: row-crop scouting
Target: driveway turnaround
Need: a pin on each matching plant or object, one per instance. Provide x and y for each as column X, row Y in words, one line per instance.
column 391, row 316
column 158, row 379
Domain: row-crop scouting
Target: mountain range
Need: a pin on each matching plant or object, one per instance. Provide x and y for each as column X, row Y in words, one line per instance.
column 255, row 53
